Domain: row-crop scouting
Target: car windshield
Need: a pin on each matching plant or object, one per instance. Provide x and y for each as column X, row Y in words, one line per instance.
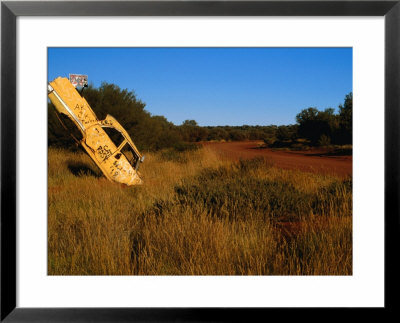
column 130, row 155
column 116, row 137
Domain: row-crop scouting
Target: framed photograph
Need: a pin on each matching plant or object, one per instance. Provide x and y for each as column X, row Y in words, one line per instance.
column 197, row 160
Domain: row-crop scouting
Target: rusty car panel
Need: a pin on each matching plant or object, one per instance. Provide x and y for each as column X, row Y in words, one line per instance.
column 119, row 162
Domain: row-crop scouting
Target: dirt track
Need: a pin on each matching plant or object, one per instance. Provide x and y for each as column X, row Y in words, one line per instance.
column 316, row 161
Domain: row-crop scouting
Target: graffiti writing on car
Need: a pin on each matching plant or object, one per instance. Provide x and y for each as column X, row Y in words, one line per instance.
column 104, row 152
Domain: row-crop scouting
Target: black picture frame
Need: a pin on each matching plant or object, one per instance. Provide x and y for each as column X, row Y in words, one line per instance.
column 10, row 10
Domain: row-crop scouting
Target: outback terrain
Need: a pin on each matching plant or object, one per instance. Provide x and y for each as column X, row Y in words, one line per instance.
column 227, row 208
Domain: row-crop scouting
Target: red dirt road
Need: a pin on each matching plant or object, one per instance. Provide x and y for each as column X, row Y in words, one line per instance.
column 316, row 161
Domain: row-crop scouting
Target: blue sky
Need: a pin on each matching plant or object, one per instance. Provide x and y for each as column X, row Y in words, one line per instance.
column 217, row 86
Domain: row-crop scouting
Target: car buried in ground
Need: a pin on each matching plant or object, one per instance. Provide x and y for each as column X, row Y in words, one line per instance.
column 105, row 141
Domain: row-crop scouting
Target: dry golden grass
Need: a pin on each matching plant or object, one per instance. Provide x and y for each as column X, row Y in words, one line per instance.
column 196, row 215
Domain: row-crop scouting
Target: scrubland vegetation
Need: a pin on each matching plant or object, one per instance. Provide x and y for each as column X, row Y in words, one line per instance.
column 196, row 214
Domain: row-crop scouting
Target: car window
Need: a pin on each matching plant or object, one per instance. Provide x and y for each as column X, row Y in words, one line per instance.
column 116, row 137
column 130, row 155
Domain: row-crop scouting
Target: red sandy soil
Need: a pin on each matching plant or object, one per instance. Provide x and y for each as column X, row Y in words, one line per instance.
column 316, row 161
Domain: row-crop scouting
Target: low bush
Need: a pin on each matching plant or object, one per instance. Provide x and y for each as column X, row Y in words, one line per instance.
column 237, row 191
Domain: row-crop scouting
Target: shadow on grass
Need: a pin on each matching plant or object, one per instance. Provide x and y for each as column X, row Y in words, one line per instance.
column 336, row 152
column 81, row 169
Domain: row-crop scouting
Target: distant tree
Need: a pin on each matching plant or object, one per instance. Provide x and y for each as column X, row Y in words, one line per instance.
column 283, row 133
column 269, row 141
column 255, row 134
column 236, row 135
column 306, row 120
column 190, row 123
column 191, row 132
column 346, row 119
column 324, row 140
column 312, row 124
column 217, row 133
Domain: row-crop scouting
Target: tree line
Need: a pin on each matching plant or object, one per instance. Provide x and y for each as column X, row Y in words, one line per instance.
column 152, row 132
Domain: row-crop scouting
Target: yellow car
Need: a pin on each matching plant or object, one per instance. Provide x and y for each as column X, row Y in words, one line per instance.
column 119, row 158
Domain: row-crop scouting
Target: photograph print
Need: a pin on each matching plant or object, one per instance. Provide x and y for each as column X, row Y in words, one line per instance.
column 200, row 161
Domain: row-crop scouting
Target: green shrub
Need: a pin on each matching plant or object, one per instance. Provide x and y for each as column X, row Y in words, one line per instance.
column 173, row 156
column 185, row 146
column 236, row 192
column 324, row 141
